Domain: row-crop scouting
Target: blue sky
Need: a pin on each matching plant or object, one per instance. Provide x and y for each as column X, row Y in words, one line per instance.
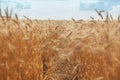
column 61, row 9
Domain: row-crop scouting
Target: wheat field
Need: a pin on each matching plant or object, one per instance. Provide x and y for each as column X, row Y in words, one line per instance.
column 59, row 49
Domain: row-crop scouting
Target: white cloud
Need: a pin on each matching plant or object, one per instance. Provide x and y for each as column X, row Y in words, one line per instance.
column 87, row 2
column 115, row 11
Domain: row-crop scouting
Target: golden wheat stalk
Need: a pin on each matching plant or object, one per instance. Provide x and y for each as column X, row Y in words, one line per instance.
column 16, row 16
column 1, row 14
column 99, row 13
column 7, row 13
column 11, row 11
column 119, row 18
column 69, row 34
column 107, row 17
column 74, row 20
column 91, row 17
column 28, row 19
column 111, row 17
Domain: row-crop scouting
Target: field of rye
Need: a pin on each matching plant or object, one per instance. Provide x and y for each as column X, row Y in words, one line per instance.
column 59, row 49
